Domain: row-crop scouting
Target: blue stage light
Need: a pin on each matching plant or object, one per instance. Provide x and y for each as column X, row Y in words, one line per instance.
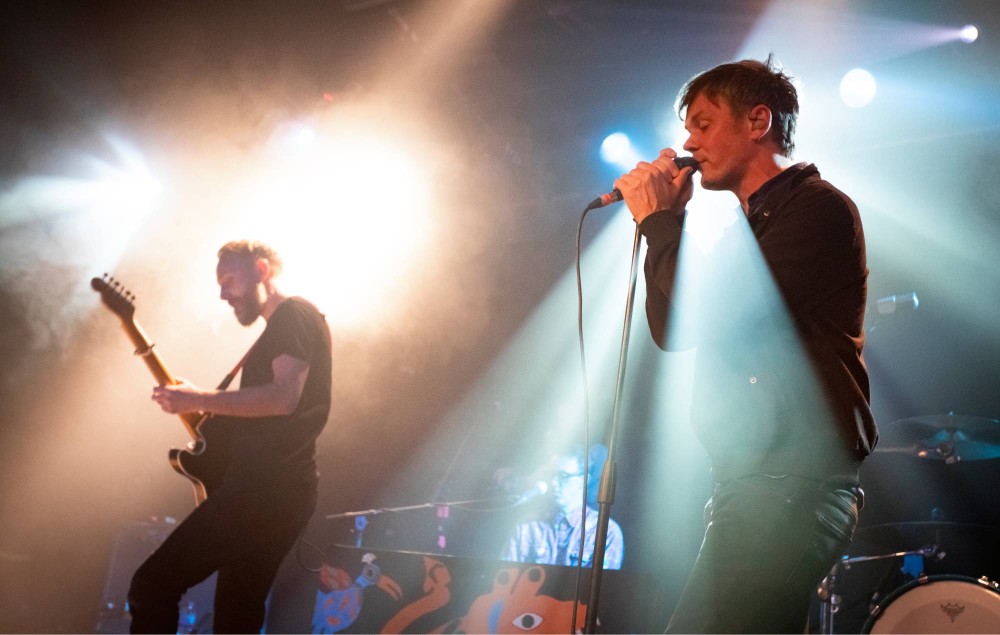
column 617, row 149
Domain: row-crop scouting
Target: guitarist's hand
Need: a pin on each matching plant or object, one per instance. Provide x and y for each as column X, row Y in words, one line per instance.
column 178, row 398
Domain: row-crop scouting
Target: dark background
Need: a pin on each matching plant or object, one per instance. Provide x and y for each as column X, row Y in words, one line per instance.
column 456, row 379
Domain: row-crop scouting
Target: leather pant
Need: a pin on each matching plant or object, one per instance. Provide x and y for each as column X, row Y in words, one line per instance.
column 769, row 541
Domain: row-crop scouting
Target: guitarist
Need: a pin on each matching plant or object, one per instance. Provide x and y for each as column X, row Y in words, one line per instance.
column 268, row 428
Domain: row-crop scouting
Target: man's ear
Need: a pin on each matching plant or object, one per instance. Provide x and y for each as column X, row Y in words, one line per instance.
column 760, row 122
column 263, row 268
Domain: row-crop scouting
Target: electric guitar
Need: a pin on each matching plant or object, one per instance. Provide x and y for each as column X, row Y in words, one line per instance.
column 204, row 461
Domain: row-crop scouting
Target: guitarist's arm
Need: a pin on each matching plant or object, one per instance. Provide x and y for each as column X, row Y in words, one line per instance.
column 280, row 397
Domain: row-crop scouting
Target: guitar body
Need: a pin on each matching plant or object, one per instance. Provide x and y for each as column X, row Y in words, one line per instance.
column 206, row 458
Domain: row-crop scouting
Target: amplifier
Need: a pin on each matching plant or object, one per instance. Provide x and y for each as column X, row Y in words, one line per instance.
column 133, row 544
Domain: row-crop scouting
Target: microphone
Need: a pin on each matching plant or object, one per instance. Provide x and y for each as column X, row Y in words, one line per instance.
column 541, row 488
column 614, row 195
column 890, row 304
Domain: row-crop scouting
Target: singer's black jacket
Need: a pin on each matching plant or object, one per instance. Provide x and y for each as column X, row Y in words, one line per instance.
column 775, row 308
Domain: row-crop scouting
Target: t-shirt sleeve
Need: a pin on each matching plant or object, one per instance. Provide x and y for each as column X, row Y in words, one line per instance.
column 295, row 330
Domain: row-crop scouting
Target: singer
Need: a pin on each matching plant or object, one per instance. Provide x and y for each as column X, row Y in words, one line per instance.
column 775, row 311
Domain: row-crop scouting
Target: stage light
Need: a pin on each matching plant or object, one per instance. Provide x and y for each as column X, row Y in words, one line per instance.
column 293, row 137
column 857, row 88
column 114, row 196
column 969, row 33
column 709, row 212
column 347, row 204
column 130, row 188
column 708, row 217
column 533, row 389
column 617, row 149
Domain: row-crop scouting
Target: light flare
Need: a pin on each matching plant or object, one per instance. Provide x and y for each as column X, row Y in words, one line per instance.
column 857, row 88
column 618, row 150
column 349, row 210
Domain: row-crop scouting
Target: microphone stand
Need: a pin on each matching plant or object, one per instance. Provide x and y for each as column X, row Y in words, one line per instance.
column 606, row 491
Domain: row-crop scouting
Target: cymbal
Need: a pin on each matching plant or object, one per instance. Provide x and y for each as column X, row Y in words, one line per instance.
column 949, row 438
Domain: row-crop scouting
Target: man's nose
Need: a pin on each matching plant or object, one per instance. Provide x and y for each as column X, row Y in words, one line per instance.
column 690, row 145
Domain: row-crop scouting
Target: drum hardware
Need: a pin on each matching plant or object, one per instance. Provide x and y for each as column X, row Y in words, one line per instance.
column 826, row 592
column 949, row 438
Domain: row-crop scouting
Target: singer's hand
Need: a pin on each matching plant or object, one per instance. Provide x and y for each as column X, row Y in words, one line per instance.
column 656, row 187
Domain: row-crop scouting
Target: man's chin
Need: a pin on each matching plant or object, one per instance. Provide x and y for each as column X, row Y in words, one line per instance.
column 709, row 184
column 246, row 319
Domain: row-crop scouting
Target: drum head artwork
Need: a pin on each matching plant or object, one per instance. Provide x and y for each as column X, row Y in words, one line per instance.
column 941, row 604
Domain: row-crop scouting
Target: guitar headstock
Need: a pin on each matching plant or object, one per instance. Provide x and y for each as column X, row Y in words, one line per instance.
column 115, row 296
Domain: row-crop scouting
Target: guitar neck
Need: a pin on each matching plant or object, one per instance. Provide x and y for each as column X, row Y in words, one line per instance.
column 147, row 351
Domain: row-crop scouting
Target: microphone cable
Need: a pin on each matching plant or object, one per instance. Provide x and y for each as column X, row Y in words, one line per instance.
column 586, row 417
column 601, row 201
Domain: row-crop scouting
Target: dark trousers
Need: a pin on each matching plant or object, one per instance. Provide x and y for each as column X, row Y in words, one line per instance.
column 243, row 533
column 769, row 541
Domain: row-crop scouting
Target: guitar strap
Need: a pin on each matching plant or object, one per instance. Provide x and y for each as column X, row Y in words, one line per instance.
column 228, row 379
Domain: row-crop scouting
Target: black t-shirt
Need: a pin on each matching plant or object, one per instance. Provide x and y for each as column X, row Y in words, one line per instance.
column 280, row 451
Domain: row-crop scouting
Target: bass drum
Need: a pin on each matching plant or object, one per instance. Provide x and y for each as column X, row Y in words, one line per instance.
column 939, row 604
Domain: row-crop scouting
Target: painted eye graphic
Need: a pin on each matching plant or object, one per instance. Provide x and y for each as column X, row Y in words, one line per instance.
column 527, row 621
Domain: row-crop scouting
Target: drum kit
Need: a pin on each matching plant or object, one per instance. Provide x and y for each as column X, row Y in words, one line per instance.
column 916, row 592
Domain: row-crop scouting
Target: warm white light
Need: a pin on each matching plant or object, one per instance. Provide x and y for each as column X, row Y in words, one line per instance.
column 857, row 88
column 293, row 137
column 969, row 33
column 348, row 216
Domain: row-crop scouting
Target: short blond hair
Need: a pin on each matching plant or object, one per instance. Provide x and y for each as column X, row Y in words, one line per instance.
column 252, row 251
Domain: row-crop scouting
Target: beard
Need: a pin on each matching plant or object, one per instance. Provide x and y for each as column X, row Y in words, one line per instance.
column 247, row 308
